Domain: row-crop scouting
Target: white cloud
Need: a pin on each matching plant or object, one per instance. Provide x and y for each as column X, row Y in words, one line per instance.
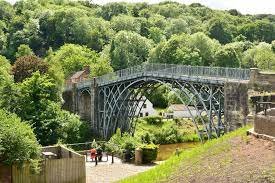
column 244, row 6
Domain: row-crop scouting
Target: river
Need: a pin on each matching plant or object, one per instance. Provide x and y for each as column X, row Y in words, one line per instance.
column 167, row 150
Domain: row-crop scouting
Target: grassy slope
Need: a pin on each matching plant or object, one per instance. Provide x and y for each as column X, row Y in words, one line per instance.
column 164, row 170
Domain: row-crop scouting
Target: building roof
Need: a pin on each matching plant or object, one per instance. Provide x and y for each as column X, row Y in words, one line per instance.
column 180, row 107
column 77, row 74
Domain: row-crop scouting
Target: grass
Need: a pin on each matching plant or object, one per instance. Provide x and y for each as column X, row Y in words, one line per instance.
column 163, row 171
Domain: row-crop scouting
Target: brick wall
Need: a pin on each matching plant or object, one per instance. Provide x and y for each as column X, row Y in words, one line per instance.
column 264, row 125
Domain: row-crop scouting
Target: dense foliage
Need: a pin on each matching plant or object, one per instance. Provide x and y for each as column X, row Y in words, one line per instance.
column 17, row 140
column 127, row 34
column 43, row 42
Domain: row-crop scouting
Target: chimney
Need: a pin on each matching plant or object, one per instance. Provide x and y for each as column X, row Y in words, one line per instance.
column 87, row 69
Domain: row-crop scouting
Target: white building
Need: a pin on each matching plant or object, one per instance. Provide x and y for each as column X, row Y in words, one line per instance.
column 146, row 108
column 180, row 111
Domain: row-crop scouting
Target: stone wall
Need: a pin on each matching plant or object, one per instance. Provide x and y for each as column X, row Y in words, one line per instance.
column 265, row 124
column 235, row 105
column 266, row 80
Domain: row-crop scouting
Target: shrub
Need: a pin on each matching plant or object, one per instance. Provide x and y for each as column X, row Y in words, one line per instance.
column 120, row 143
column 17, row 140
column 168, row 136
column 149, row 152
column 153, row 120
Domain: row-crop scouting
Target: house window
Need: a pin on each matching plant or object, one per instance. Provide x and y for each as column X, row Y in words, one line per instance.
column 146, row 114
column 144, row 106
column 141, row 114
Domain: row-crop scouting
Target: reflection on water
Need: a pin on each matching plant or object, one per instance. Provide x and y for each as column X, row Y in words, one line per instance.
column 167, row 150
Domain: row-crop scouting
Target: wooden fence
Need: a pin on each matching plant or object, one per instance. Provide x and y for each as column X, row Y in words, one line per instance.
column 64, row 170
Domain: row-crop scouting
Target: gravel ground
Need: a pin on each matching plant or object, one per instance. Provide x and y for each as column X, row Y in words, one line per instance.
column 106, row 172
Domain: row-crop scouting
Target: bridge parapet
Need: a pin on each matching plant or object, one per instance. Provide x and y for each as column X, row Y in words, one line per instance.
column 176, row 70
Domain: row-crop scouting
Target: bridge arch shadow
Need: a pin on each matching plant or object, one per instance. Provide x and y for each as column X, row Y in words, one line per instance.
column 119, row 104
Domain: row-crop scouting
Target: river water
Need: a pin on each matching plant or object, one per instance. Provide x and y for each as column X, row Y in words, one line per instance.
column 167, row 150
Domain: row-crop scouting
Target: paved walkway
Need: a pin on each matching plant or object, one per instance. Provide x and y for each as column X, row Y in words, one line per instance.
column 106, row 172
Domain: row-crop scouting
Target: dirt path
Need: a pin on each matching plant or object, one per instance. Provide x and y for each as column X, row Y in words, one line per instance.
column 239, row 160
column 106, row 172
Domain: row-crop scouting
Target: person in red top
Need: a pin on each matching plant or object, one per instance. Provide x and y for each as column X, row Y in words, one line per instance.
column 93, row 154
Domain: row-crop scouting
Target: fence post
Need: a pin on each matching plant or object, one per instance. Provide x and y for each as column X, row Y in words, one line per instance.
column 112, row 157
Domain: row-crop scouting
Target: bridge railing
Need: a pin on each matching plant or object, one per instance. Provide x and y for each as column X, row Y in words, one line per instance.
column 172, row 70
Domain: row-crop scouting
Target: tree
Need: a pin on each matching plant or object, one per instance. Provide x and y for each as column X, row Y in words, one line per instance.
column 156, row 34
column 37, row 104
column 226, row 56
column 5, row 69
column 159, row 97
column 260, row 30
column 101, row 67
column 73, row 58
column 206, row 46
column 125, row 22
column 176, row 26
column 219, row 29
column 128, row 49
column 25, row 66
column 273, row 46
column 176, row 51
column 23, row 50
column 113, row 9
column 18, row 142
column 260, row 56
column 93, row 32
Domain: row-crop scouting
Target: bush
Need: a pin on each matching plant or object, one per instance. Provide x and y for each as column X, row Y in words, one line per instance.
column 17, row 140
column 120, row 143
column 153, row 120
column 149, row 152
column 168, row 136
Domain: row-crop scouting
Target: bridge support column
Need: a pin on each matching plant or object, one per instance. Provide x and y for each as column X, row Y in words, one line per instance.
column 74, row 99
column 235, row 105
column 94, row 107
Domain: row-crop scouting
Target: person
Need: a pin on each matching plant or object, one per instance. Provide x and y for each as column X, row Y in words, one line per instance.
column 99, row 154
column 93, row 154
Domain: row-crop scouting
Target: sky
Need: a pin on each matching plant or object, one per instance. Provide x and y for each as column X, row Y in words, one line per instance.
column 244, row 6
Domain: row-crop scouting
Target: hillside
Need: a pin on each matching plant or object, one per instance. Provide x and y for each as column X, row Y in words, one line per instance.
column 233, row 158
column 127, row 34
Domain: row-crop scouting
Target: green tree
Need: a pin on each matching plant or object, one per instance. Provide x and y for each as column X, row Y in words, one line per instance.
column 125, row 22
column 159, row 97
column 220, row 30
column 113, row 9
column 206, row 46
column 5, row 69
column 23, row 50
column 18, row 142
column 128, row 49
column 260, row 30
column 176, row 51
column 260, row 56
column 93, row 32
column 273, row 46
column 73, row 58
column 226, row 56
column 176, row 26
column 156, row 34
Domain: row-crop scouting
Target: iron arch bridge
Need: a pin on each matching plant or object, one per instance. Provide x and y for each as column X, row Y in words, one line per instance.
column 113, row 100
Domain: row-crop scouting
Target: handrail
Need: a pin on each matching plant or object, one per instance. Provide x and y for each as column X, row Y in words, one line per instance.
column 263, row 106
